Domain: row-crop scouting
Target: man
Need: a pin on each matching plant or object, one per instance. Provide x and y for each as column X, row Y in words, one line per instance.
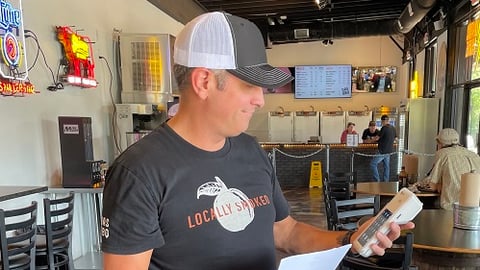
column 451, row 161
column 381, row 83
column 369, row 134
column 198, row 193
column 385, row 140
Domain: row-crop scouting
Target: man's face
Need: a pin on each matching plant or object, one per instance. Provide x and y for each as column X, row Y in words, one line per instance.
column 372, row 128
column 230, row 109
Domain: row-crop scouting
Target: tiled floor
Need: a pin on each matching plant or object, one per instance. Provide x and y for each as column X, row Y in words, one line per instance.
column 306, row 205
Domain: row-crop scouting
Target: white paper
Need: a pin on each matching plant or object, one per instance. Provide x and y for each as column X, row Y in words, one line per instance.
column 352, row 140
column 324, row 260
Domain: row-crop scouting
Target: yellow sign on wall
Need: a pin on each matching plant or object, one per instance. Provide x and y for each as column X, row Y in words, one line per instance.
column 316, row 174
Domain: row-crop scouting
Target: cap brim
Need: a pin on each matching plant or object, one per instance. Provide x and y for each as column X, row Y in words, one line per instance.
column 265, row 76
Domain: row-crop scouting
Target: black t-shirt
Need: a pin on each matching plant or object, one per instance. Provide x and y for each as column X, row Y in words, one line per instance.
column 387, row 137
column 368, row 135
column 195, row 209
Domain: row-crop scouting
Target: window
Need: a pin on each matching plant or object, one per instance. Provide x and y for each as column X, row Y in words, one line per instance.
column 473, row 120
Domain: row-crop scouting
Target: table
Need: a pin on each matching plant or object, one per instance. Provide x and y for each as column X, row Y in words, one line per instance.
column 387, row 190
column 13, row 192
column 87, row 225
column 438, row 244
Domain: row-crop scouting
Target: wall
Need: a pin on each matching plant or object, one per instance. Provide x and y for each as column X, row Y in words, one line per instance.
column 29, row 144
column 30, row 149
column 364, row 51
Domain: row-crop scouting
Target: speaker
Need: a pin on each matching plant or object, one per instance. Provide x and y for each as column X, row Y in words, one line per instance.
column 77, row 150
column 301, row 33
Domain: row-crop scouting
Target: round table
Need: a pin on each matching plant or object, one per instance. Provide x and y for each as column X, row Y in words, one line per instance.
column 438, row 245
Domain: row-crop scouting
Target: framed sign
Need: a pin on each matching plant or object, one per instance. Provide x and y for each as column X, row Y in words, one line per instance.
column 374, row 79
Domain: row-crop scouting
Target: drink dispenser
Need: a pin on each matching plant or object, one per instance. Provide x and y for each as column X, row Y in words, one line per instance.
column 134, row 121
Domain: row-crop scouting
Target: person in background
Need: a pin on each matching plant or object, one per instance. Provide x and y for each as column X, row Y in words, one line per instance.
column 349, row 130
column 381, row 83
column 197, row 192
column 369, row 134
column 385, row 139
column 451, row 161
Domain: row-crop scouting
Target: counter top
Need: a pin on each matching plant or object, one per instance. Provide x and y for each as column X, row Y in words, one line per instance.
column 13, row 192
column 76, row 190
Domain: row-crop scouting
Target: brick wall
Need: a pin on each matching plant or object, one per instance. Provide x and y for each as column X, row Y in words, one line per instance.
column 293, row 161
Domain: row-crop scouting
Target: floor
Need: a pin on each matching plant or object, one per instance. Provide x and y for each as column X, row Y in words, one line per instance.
column 306, row 205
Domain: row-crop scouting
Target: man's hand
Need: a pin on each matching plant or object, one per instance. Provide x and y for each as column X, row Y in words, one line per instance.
column 434, row 187
column 385, row 241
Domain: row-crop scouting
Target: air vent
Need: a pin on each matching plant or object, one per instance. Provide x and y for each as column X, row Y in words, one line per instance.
column 146, row 64
column 301, row 33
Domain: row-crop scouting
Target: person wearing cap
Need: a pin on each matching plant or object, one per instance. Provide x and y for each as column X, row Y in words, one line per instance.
column 349, row 130
column 451, row 161
column 369, row 134
column 385, row 139
column 197, row 192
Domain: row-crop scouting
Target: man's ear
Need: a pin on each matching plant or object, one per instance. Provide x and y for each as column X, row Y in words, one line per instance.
column 200, row 81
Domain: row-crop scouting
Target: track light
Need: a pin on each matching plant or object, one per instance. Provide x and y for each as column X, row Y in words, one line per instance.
column 270, row 21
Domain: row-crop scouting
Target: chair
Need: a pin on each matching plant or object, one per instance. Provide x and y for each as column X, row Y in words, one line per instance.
column 347, row 213
column 54, row 247
column 326, row 200
column 341, row 184
column 336, row 186
column 17, row 237
column 398, row 257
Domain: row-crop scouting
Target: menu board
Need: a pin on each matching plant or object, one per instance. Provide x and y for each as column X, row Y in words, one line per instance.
column 323, row 81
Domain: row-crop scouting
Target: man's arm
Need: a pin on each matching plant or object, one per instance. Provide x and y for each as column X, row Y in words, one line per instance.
column 296, row 237
column 435, row 187
column 138, row 261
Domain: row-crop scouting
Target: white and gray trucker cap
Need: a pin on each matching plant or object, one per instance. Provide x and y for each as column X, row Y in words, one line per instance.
column 219, row 40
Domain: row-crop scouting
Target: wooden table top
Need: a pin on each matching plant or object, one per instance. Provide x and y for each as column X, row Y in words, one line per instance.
column 385, row 189
column 434, row 231
column 12, row 192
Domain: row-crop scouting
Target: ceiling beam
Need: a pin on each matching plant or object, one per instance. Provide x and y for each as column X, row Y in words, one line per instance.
column 181, row 10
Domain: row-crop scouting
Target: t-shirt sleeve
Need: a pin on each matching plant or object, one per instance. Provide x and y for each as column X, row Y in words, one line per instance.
column 364, row 135
column 130, row 214
column 282, row 208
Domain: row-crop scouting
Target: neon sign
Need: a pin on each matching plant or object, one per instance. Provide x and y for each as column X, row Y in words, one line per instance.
column 13, row 64
column 16, row 88
column 79, row 55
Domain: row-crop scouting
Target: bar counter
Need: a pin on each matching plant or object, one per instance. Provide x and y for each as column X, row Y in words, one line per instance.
column 292, row 161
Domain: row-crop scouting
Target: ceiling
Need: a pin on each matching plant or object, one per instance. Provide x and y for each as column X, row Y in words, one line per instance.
column 286, row 21
column 328, row 20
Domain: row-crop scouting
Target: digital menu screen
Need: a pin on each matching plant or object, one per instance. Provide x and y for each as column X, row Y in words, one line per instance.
column 323, row 81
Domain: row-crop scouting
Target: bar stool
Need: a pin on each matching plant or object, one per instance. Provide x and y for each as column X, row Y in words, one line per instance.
column 53, row 249
column 17, row 237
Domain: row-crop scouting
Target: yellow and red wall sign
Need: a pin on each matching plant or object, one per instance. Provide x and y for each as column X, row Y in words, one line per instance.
column 79, row 55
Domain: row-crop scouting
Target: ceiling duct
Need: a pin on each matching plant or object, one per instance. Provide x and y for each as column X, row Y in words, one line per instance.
column 412, row 14
column 334, row 30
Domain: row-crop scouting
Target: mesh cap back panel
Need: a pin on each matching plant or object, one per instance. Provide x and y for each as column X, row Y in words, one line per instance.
column 206, row 42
